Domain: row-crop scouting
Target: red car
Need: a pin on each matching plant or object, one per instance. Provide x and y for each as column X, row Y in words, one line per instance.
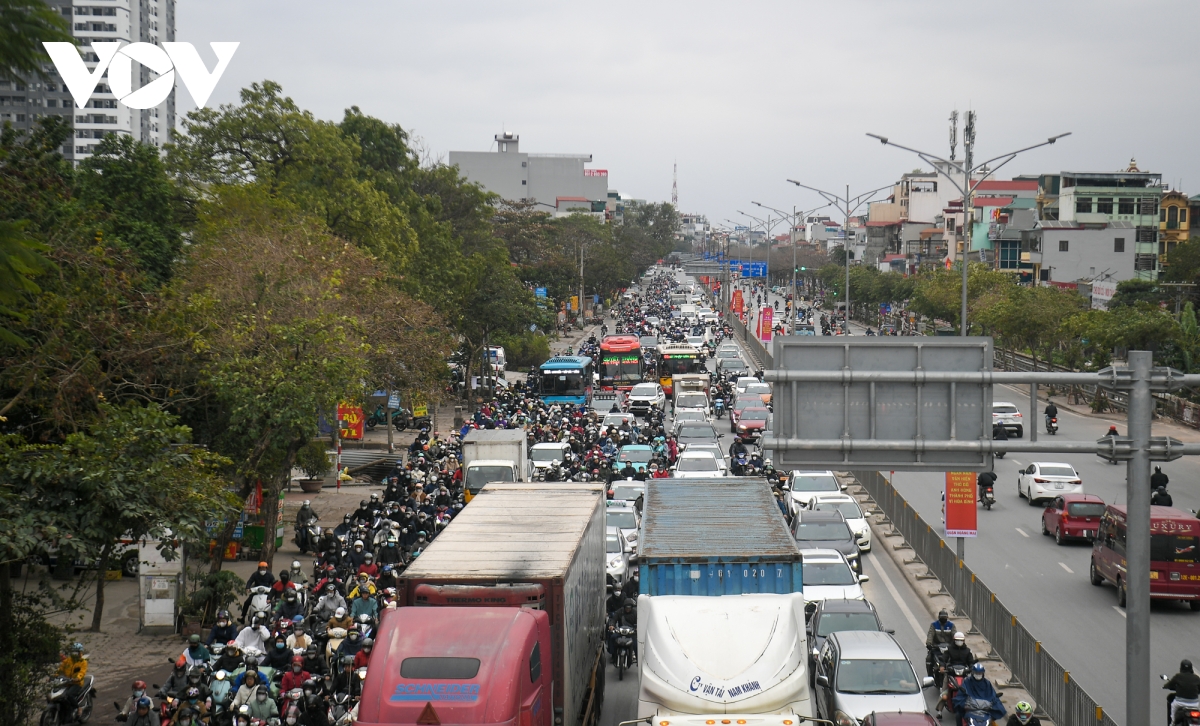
column 752, row 421
column 1072, row 516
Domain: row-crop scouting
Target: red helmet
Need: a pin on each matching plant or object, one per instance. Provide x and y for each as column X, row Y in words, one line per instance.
column 297, row 660
column 139, row 685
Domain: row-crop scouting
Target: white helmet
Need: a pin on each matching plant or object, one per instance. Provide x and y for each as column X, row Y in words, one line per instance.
column 341, row 613
column 295, row 565
column 959, row 638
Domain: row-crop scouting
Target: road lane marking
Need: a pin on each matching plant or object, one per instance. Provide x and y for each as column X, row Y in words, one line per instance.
column 891, row 588
column 1017, row 462
column 1064, row 566
column 1120, row 611
column 1022, row 532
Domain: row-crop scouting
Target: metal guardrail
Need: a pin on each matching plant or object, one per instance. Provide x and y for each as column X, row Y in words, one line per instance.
column 1038, row 671
column 757, row 350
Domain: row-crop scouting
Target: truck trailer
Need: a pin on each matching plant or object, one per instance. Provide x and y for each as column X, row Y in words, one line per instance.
column 501, row 618
column 721, row 629
column 494, row 455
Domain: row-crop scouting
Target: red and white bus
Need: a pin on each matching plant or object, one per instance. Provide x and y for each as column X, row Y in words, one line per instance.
column 1174, row 554
column 621, row 364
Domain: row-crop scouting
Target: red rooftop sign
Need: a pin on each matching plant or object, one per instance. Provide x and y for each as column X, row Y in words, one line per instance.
column 595, row 172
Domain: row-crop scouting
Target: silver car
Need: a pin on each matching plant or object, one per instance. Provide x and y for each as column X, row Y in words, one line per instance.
column 859, row 672
column 619, row 552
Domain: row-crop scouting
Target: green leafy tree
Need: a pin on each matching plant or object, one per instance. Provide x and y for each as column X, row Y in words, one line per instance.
column 24, row 26
column 21, row 260
column 142, row 207
column 1132, row 292
column 1029, row 318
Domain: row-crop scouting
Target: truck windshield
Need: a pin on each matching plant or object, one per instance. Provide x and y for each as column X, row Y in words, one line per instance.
column 1172, row 548
column 813, row 531
column 876, row 676
column 828, row 573
column 837, row 622
column 439, row 668
column 691, row 400
column 477, row 476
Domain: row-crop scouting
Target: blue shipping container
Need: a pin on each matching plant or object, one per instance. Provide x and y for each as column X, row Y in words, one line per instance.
column 716, row 578
column 715, row 537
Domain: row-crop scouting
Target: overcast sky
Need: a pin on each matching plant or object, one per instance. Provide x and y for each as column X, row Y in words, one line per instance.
column 742, row 95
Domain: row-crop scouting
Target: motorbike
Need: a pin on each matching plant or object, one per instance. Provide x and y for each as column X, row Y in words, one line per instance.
column 624, row 649
column 59, row 708
column 1181, row 712
column 259, row 602
column 954, row 676
column 307, row 537
column 937, row 665
column 977, row 712
column 988, row 497
column 719, row 407
column 1052, row 425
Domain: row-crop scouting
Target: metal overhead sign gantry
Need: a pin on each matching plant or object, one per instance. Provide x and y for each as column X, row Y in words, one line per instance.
column 925, row 405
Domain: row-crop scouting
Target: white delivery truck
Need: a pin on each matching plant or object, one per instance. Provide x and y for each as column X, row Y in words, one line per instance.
column 494, row 455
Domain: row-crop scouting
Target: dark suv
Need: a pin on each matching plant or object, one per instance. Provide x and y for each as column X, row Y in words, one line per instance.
column 826, row 529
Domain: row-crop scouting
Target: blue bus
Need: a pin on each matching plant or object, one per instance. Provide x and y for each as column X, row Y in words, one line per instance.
column 567, row 379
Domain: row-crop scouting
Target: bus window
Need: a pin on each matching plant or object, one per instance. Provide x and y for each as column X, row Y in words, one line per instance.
column 555, row 383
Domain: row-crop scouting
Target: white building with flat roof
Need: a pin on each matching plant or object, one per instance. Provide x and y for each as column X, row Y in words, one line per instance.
column 540, row 178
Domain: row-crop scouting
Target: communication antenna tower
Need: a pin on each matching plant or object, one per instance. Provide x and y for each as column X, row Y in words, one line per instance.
column 675, row 185
column 953, row 133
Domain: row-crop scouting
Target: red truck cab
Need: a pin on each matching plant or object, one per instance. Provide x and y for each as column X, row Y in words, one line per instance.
column 460, row 665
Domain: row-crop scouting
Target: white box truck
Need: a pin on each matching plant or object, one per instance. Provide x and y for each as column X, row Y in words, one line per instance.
column 494, row 455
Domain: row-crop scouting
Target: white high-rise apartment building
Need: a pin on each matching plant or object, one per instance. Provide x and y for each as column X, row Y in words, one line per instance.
column 128, row 21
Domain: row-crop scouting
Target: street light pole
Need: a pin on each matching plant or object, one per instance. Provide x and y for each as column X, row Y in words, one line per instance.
column 844, row 205
column 967, row 188
column 794, row 221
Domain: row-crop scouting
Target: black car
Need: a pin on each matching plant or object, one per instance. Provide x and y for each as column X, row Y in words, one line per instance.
column 832, row 616
column 826, row 530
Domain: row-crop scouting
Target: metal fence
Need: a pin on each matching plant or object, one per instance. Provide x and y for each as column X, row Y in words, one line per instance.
column 757, row 350
column 1038, row 672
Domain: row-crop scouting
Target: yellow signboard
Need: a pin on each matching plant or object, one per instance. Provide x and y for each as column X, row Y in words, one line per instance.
column 574, row 303
column 420, row 409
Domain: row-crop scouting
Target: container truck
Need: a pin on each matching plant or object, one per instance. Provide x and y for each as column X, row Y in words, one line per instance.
column 494, row 455
column 721, row 631
column 501, row 618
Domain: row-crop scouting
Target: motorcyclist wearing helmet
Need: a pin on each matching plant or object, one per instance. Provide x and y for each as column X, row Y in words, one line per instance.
column 143, row 714
column 193, row 711
column 261, row 577
column 1023, row 715
column 314, row 661
column 357, row 554
column 1185, row 684
column 347, row 681
column 980, row 692
column 224, row 630
column 304, row 517
column 1161, row 498
column 959, row 653
column 363, row 513
column 247, row 685
column 368, row 566
column 299, row 578
column 278, row 656
column 329, row 603
column 299, row 637
column 983, row 481
column 289, row 605
column 176, row 683
column 940, row 631
column 351, row 645
column 230, row 659
column 139, row 690
column 195, row 653
column 363, row 656
column 627, row 615
column 340, row 619
column 295, row 675
column 364, row 604
column 254, row 635
column 261, row 705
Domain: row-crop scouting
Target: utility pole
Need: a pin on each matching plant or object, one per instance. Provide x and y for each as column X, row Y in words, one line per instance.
column 794, row 220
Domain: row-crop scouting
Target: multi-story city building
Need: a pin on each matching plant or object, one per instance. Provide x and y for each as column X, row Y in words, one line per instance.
column 1099, row 199
column 539, row 178
column 1174, row 223
column 128, row 21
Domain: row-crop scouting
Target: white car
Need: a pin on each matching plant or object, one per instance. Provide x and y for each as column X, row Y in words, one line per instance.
column 618, row 552
column 802, row 486
column 697, row 465
column 1046, row 480
column 625, row 493
column 742, row 382
column 543, row 455
column 696, row 340
column 828, row 576
column 625, row 519
column 848, row 506
column 691, row 401
column 718, row 454
column 645, row 395
column 1009, row 415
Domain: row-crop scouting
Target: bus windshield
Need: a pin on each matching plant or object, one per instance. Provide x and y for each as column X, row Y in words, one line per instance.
column 621, row 367
column 557, row 383
column 676, row 364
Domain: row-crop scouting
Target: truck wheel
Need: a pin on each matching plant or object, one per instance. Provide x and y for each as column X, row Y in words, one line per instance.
column 1094, row 575
column 1122, row 595
column 129, row 565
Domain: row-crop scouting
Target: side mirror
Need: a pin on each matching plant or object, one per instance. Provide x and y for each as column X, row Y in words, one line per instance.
column 842, row 486
column 927, row 682
column 864, row 578
column 823, row 681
